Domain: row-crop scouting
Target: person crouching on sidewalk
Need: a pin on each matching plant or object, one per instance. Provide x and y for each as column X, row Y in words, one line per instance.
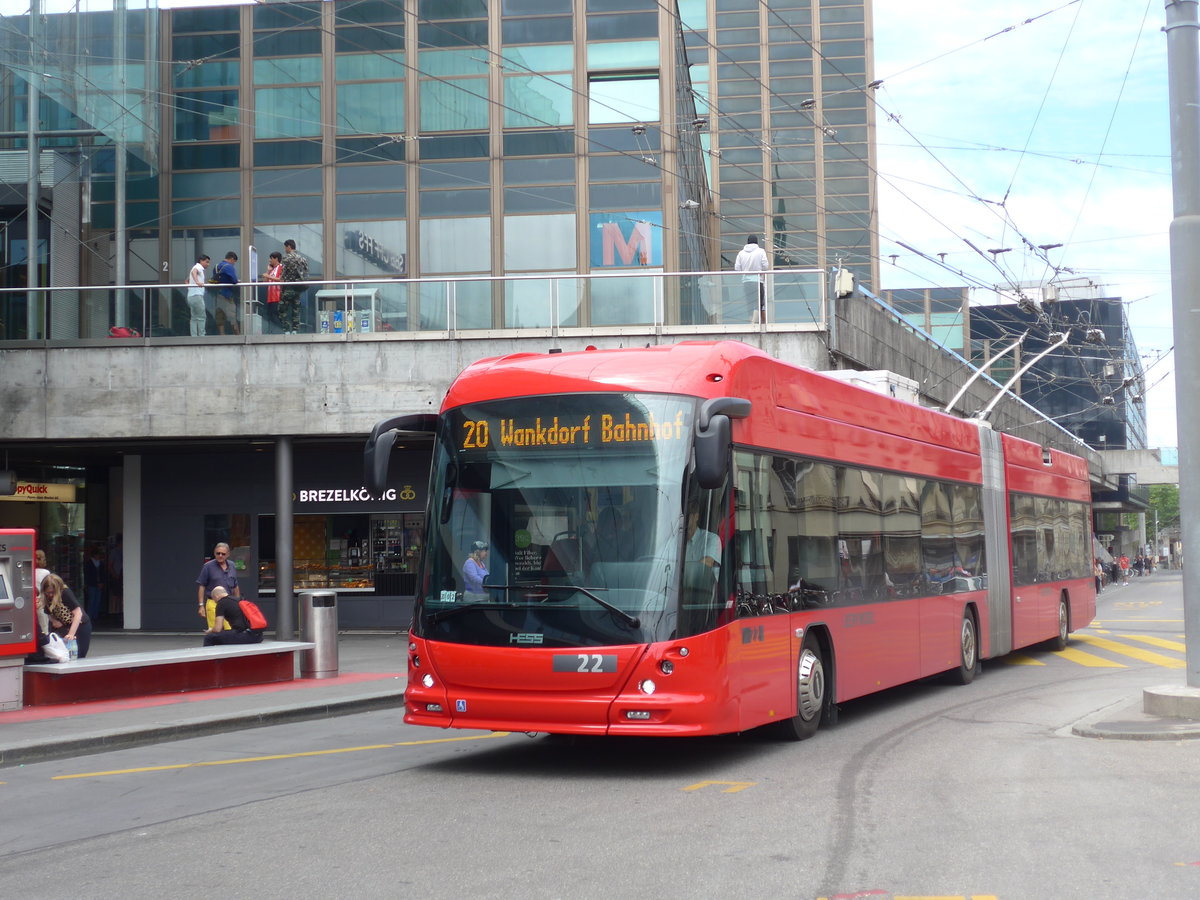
column 229, row 611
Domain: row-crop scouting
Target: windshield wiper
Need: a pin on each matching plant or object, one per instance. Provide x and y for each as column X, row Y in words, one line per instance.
column 631, row 620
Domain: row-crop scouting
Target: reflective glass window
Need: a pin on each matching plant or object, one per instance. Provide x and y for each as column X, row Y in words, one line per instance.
column 286, row 15
column 459, row 146
column 287, row 70
column 607, row 140
column 532, row 100
column 458, row 105
column 372, row 249
column 532, row 31
column 205, row 184
column 368, row 66
column 452, row 34
column 204, row 46
column 452, row 9
column 693, row 14
column 210, row 156
column 286, row 209
column 550, row 58
column 538, row 143
column 370, row 178
column 633, row 99
column 370, row 108
column 621, row 168
column 289, row 42
column 619, row 5
column 454, row 203
column 539, row 171
column 209, row 73
column 206, row 116
column 372, row 37
column 308, row 238
column 455, row 174
column 287, row 112
column 539, row 242
column 374, row 149
column 286, row 181
column 370, row 206
column 625, row 196
column 540, row 198
column 205, row 212
column 528, row 303
column 455, row 245
column 287, row 153
column 448, row 63
column 622, row 27
column 623, row 55
column 186, row 20
column 534, row 7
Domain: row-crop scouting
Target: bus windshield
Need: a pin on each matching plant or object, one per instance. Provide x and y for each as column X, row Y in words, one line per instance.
column 557, row 521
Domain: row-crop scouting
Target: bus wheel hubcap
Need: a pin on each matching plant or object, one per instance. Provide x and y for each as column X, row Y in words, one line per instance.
column 812, row 685
column 968, row 644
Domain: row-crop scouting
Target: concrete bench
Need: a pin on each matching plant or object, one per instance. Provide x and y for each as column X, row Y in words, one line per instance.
column 161, row 672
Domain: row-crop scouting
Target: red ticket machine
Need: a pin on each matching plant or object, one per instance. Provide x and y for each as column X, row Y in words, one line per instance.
column 18, row 619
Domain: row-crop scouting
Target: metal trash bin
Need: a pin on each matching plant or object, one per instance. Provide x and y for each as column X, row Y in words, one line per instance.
column 319, row 626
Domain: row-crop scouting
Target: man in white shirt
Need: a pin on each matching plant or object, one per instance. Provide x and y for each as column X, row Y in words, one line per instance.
column 752, row 262
column 195, row 296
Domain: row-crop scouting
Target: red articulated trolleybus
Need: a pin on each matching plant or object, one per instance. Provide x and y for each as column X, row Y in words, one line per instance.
column 699, row 539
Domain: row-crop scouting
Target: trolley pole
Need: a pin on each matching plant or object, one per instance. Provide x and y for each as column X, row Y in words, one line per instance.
column 1183, row 64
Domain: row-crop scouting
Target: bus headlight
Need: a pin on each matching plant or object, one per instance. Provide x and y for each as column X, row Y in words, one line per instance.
column 427, row 680
column 666, row 667
column 647, row 686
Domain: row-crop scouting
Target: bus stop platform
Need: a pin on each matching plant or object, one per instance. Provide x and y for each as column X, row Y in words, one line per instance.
column 371, row 675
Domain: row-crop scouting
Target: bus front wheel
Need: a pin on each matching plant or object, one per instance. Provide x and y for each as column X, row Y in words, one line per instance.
column 811, row 686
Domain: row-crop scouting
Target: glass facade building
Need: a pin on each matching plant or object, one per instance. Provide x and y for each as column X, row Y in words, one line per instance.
column 447, row 138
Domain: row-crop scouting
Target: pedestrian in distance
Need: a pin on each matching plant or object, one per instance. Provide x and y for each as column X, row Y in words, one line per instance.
column 274, row 274
column 218, row 572
column 293, row 272
column 197, row 282
column 93, row 581
column 229, row 612
column 226, row 278
column 752, row 262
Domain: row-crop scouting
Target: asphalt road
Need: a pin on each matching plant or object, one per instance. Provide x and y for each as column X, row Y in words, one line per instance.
column 929, row 790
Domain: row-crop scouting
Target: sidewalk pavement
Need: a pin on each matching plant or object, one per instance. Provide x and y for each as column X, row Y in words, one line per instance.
column 371, row 675
column 1128, row 719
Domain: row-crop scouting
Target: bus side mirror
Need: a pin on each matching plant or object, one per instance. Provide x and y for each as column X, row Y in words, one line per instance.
column 378, row 450
column 714, row 434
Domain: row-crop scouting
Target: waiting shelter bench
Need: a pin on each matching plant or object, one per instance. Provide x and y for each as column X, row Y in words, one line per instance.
column 161, row 672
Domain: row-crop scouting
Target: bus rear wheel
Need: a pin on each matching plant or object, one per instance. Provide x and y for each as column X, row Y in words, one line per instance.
column 968, row 646
column 811, row 700
column 1059, row 641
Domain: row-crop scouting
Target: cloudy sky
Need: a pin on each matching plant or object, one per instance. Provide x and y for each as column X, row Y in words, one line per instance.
column 1038, row 120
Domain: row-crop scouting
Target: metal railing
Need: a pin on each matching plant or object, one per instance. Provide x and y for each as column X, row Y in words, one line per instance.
column 680, row 302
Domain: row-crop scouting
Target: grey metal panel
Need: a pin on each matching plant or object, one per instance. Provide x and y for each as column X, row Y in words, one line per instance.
column 995, row 521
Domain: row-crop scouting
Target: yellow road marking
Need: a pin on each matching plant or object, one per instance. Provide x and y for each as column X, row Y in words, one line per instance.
column 732, row 786
column 1087, row 659
column 1156, row 642
column 1149, row 656
column 1020, row 659
column 250, row 759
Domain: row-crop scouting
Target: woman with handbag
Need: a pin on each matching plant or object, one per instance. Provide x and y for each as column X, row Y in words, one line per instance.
column 67, row 618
